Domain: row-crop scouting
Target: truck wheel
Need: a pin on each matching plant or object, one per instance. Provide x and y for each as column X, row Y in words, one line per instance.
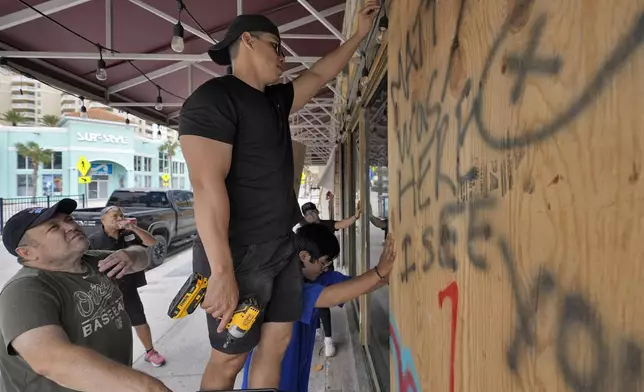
column 158, row 253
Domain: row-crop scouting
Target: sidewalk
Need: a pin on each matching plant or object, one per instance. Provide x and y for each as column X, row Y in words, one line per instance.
column 185, row 345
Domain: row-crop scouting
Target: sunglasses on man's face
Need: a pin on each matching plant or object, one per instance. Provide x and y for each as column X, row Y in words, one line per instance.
column 277, row 46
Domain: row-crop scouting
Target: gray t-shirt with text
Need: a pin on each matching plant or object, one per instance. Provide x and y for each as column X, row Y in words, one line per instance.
column 88, row 307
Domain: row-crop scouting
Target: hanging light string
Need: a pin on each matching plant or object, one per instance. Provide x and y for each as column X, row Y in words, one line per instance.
column 196, row 21
column 100, row 49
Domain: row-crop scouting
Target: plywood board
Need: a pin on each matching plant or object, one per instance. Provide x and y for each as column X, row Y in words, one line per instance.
column 516, row 132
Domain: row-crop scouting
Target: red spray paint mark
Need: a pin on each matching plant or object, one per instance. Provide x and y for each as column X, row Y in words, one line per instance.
column 451, row 292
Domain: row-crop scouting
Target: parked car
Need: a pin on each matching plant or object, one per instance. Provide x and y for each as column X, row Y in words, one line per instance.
column 167, row 214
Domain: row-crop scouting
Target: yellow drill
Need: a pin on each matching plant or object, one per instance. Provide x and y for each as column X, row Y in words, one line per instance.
column 192, row 294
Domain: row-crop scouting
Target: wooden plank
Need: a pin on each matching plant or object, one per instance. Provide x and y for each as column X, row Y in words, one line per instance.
column 516, row 195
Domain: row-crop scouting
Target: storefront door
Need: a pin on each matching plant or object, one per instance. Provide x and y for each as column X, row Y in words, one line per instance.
column 98, row 189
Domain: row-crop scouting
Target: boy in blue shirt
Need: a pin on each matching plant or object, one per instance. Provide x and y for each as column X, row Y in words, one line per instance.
column 317, row 247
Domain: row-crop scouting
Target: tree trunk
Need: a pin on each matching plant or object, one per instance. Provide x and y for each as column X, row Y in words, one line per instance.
column 34, row 182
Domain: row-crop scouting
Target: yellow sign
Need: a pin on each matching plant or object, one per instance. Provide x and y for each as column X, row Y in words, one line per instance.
column 165, row 177
column 83, row 166
column 84, row 180
column 165, row 184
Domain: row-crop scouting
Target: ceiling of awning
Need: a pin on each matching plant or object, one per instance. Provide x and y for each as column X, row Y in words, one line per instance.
column 141, row 30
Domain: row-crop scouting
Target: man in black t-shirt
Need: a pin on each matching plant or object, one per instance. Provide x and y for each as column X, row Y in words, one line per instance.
column 118, row 233
column 312, row 215
column 235, row 136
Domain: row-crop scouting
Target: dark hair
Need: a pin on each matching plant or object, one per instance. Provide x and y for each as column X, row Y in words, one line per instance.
column 318, row 240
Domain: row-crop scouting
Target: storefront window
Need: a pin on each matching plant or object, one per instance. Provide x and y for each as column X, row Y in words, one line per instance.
column 376, row 211
column 137, row 163
column 23, row 162
column 148, row 181
column 56, row 162
column 25, row 185
column 163, row 162
column 52, row 184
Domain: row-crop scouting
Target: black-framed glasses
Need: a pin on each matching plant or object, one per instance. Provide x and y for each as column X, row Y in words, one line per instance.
column 325, row 264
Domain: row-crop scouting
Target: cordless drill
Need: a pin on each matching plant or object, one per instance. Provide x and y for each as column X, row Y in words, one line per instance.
column 192, row 294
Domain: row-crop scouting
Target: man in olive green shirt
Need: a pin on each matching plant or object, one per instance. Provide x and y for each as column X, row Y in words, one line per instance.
column 63, row 325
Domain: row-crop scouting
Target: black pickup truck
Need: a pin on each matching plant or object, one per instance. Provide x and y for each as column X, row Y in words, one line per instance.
column 168, row 214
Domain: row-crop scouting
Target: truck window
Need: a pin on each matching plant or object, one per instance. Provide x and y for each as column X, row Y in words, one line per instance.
column 183, row 199
column 139, row 199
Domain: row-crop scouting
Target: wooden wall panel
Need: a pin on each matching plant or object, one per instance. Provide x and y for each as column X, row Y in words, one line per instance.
column 516, row 132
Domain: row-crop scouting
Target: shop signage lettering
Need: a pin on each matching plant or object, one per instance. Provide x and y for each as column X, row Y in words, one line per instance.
column 101, row 137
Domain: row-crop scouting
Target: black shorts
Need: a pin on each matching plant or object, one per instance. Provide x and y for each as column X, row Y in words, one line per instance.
column 271, row 273
column 133, row 304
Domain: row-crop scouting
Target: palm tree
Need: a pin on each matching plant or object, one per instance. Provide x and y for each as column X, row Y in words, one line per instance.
column 169, row 147
column 14, row 117
column 50, row 120
column 37, row 155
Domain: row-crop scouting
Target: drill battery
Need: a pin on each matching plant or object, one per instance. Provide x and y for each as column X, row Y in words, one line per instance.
column 189, row 297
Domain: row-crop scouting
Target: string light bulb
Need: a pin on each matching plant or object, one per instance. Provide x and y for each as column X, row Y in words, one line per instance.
column 159, row 104
column 383, row 24
column 101, row 72
column 177, row 43
column 83, row 109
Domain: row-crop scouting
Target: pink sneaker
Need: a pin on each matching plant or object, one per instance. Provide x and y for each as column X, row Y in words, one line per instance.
column 154, row 358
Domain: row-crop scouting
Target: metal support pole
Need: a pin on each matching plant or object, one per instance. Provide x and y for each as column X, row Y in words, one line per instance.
column 322, row 20
column 109, row 36
column 189, row 79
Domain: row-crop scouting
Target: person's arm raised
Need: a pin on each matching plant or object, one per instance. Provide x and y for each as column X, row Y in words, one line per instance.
column 328, row 67
column 371, row 280
column 49, row 353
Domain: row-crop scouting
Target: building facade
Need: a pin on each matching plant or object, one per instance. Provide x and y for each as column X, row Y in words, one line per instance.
column 119, row 156
column 34, row 100
column 28, row 97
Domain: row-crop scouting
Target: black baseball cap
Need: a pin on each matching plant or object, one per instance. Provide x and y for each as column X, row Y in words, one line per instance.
column 220, row 54
column 308, row 207
column 17, row 225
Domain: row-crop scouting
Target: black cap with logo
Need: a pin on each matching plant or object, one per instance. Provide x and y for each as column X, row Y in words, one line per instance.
column 17, row 225
column 306, row 207
column 220, row 54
